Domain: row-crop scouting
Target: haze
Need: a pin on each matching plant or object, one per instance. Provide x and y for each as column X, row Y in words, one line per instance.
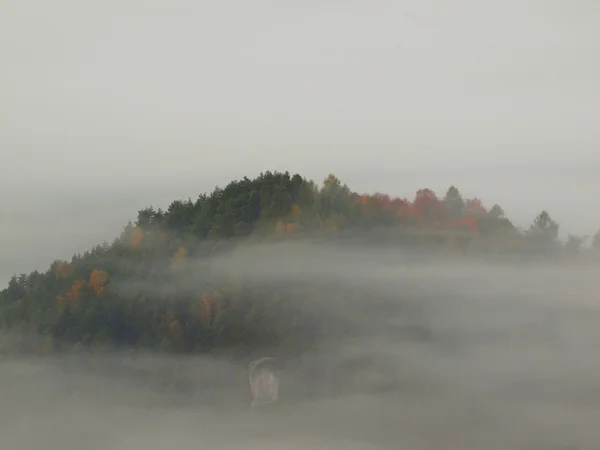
column 483, row 357
column 107, row 107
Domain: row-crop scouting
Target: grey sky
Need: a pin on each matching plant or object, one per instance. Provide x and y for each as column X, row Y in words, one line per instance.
column 108, row 106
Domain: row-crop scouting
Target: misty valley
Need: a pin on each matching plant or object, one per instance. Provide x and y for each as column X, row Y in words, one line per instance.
column 421, row 324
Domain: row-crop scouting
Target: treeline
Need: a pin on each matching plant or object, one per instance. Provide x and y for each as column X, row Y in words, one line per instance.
column 130, row 293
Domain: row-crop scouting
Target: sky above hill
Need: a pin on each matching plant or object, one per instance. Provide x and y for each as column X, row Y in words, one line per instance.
column 107, row 107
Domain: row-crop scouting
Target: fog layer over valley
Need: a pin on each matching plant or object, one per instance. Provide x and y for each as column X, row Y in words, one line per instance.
column 447, row 301
column 418, row 355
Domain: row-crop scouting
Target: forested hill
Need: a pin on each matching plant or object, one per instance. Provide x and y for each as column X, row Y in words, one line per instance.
column 148, row 289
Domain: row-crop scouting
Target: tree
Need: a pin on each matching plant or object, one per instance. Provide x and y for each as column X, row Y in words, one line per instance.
column 76, row 289
column 335, row 197
column 72, row 304
column 61, row 269
column 544, row 226
column 496, row 212
column 430, row 209
column 136, row 237
column 574, row 243
column 454, row 203
column 596, row 240
column 98, row 281
column 474, row 207
column 149, row 217
column 206, row 312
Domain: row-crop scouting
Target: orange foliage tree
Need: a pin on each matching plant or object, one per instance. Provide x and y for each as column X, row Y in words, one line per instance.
column 205, row 310
column 73, row 295
column 290, row 228
column 296, row 211
column 98, row 281
column 180, row 254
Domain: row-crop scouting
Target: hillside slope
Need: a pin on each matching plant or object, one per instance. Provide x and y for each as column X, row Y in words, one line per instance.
column 156, row 286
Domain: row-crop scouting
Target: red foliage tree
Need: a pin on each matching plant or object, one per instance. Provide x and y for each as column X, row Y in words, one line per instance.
column 469, row 223
column 474, row 206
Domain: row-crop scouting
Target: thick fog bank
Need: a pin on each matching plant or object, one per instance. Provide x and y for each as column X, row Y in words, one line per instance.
column 499, row 357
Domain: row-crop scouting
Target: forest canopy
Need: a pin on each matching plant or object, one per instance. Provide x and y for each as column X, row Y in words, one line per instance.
column 152, row 287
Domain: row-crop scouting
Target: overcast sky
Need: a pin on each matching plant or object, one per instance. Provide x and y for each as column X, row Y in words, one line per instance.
column 108, row 106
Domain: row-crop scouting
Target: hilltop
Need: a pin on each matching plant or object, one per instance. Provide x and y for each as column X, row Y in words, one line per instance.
column 154, row 287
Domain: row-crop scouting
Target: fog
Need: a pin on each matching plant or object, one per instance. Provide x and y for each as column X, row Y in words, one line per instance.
column 458, row 356
column 110, row 106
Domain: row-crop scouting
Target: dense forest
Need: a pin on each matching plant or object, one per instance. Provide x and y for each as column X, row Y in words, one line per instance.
column 153, row 288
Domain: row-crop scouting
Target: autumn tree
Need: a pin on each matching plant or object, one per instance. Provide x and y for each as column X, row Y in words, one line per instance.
column 136, row 237
column 175, row 330
column 61, row 269
column 290, row 228
column 206, row 310
column 98, row 281
column 474, row 207
column 469, row 223
column 279, row 226
column 181, row 254
column 237, row 314
column 73, row 295
column 296, row 211
column 408, row 215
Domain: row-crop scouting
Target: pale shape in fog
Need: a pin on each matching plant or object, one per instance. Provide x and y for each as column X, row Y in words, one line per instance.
column 264, row 381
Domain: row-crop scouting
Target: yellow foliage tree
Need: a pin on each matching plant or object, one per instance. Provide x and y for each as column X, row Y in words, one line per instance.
column 73, row 295
column 61, row 269
column 333, row 223
column 174, row 327
column 137, row 236
column 180, row 254
column 179, row 257
column 205, row 310
column 296, row 211
column 98, row 281
column 279, row 227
